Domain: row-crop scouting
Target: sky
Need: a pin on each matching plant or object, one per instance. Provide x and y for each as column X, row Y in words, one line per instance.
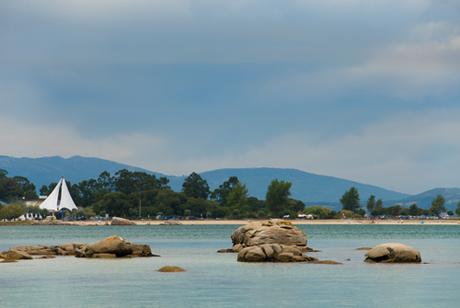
column 359, row 89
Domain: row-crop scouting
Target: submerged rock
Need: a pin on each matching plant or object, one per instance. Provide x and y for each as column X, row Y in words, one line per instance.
column 268, row 232
column 393, row 253
column 118, row 221
column 171, row 269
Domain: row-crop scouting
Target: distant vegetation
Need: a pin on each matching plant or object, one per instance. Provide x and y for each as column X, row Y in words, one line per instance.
column 135, row 194
column 141, row 195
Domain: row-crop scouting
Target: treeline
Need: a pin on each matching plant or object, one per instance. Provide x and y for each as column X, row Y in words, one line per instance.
column 351, row 202
column 15, row 188
column 141, row 195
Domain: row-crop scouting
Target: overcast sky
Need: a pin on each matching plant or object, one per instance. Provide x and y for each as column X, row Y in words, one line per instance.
column 360, row 89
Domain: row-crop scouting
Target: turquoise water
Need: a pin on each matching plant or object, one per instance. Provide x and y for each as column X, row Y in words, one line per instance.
column 217, row 280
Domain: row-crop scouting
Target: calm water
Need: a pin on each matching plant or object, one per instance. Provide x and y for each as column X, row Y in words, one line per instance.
column 217, row 280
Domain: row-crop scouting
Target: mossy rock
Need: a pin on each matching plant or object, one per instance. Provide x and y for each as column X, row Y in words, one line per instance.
column 171, row 269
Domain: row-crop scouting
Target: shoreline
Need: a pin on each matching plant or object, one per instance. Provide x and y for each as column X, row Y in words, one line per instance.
column 243, row 221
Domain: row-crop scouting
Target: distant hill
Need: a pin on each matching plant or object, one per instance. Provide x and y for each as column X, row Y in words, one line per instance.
column 424, row 199
column 306, row 186
column 45, row 170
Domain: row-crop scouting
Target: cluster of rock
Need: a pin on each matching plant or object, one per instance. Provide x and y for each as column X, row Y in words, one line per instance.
column 281, row 241
column 110, row 247
column 271, row 241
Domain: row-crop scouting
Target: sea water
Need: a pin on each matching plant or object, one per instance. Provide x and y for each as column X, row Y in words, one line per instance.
column 218, row 280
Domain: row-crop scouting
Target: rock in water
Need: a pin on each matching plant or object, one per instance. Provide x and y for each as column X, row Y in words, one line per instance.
column 118, row 221
column 115, row 245
column 15, row 255
column 273, row 253
column 171, row 269
column 268, row 232
column 393, row 253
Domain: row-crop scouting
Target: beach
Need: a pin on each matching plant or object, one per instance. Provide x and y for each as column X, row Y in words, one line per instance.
column 244, row 221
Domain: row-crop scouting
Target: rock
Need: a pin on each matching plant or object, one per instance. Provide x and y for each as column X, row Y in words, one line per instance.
column 171, row 269
column 226, row 250
column 272, row 253
column 36, row 250
column 68, row 249
column 309, row 249
column 141, row 250
column 41, row 250
column 47, row 257
column 268, row 232
column 15, row 255
column 393, row 253
column 104, row 256
column 326, row 262
column 364, row 248
column 118, row 221
column 115, row 245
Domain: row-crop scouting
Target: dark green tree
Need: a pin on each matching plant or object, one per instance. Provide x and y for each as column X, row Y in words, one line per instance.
column 195, row 186
column 277, row 197
column 350, row 200
column 220, row 194
column 114, row 204
column 457, row 211
column 437, row 206
column 413, row 209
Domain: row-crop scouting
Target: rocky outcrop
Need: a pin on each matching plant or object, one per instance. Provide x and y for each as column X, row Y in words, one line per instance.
column 58, row 250
column 111, row 247
column 118, row 221
column 393, row 253
column 14, row 255
column 268, row 232
column 114, row 245
column 273, row 253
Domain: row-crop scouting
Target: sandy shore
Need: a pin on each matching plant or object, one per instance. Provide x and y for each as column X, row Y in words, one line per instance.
column 241, row 222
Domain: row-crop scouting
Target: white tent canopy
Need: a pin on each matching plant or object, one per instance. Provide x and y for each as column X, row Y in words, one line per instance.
column 59, row 198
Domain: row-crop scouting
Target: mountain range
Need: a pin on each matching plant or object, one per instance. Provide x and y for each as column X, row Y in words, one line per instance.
column 308, row 187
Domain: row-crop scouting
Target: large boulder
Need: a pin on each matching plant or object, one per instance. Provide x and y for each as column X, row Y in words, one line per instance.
column 273, row 253
column 114, row 245
column 268, row 232
column 393, row 253
column 118, row 221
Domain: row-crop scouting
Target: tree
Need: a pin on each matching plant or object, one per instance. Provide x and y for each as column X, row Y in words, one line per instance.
column 12, row 211
column 114, row 204
column 414, row 210
column 220, row 194
column 277, row 197
column 457, row 211
column 371, row 204
column 350, row 200
column 195, row 186
column 437, row 206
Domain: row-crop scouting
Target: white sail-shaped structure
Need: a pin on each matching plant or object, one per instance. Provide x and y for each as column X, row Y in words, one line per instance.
column 59, row 198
